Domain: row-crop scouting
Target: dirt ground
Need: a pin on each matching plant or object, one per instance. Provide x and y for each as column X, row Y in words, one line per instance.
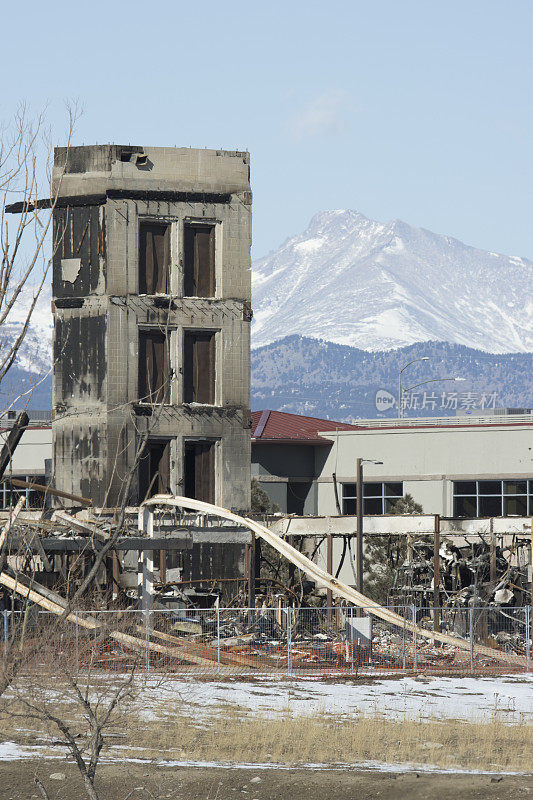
column 151, row 782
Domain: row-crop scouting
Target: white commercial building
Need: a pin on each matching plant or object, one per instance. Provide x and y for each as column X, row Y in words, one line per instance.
column 455, row 467
column 32, row 459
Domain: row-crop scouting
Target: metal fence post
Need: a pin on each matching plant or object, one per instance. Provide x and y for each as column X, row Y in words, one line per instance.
column 147, row 638
column 528, row 638
column 289, row 639
column 77, row 645
column 5, row 633
column 415, row 642
column 471, row 636
column 404, row 643
column 218, row 637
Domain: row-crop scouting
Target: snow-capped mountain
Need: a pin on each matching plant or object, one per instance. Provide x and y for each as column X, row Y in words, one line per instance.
column 353, row 281
column 35, row 354
column 376, row 286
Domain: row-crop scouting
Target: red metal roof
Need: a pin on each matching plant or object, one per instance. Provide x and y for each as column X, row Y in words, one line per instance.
column 268, row 426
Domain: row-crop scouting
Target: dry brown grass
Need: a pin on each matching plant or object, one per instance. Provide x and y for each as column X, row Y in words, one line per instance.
column 290, row 739
column 229, row 734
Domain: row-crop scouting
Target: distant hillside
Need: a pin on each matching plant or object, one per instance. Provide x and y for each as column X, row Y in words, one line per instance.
column 335, row 381
column 21, row 387
column 302, row 375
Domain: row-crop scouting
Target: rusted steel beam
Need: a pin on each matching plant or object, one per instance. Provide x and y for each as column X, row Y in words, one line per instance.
column 85, row 501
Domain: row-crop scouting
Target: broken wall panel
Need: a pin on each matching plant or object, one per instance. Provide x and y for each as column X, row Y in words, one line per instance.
column 78, row 262
column 79, row 457
column 205, row 562
column 79, row 357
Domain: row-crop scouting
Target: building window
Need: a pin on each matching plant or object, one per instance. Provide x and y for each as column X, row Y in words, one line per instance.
column 493, row 498
column 154, row 257
column 9, row 494
column 199, row 260
column 154, row 469
column 378, row 498
column 199, row 470
column 199, row 367
column 154, row 367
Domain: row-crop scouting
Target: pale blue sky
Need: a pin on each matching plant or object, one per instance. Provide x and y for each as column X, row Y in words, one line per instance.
column 414, row 109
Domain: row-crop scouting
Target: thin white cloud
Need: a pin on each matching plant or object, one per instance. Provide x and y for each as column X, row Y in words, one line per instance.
column 324, row 114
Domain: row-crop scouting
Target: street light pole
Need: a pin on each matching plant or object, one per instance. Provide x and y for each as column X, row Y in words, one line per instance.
column 359, row 488
column 400, row 394
column 432, row 380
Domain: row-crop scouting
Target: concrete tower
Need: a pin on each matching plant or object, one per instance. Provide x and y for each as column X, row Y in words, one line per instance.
column 152, row 313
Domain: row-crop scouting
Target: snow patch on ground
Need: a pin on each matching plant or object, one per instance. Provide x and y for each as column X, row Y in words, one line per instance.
column 357, row 766
column 509, row 698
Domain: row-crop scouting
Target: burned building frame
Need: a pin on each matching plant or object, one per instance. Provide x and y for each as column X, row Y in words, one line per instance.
column 151, row 302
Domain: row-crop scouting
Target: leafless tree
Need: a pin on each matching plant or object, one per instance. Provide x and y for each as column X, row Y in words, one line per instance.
column 27, row 637
column 25, row 258
column 81, row 706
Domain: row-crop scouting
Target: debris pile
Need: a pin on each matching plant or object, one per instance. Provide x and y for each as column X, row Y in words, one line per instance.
column 477, row 573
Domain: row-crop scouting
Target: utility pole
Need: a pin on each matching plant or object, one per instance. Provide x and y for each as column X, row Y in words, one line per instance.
column 359, row 511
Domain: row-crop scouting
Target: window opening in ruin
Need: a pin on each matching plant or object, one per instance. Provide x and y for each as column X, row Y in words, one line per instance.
column 154, row 367
column 378, row 498
column 172, row 559
column 199, row 470
column 154, row 469
column 154, row 257
column 199, row 367
column 199, row 260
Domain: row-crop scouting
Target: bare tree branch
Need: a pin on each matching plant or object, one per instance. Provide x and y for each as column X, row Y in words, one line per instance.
column 24, row 259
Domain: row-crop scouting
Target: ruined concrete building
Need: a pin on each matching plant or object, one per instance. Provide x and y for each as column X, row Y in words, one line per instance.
column 151, row 302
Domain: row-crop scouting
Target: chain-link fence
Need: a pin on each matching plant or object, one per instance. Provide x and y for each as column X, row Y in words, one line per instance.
column 273, row 641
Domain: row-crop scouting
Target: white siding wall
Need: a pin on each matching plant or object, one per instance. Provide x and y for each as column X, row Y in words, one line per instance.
column 34, row 446
column 428, row 459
